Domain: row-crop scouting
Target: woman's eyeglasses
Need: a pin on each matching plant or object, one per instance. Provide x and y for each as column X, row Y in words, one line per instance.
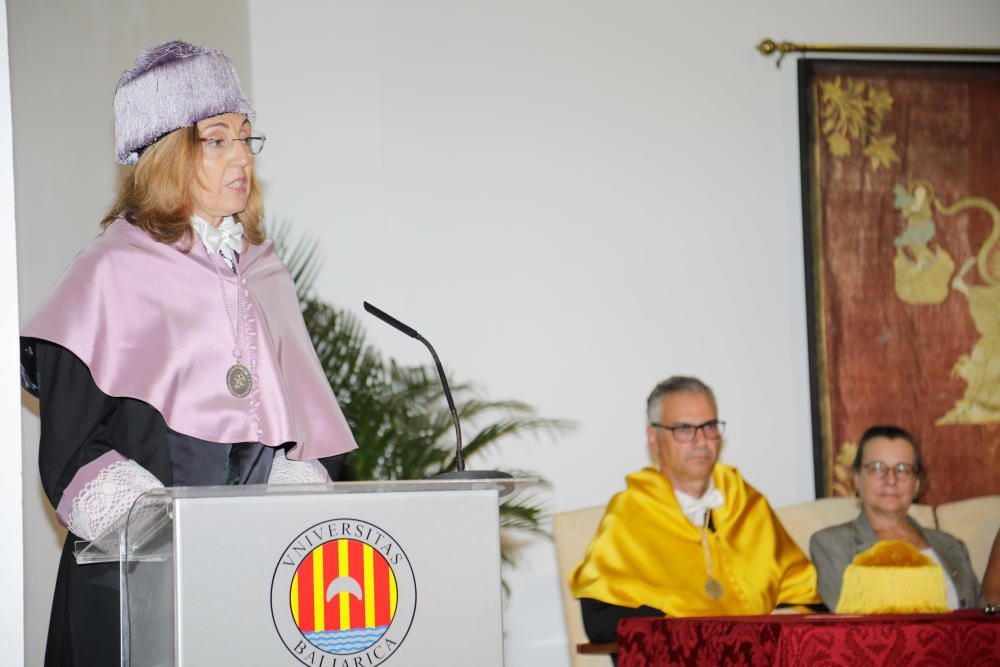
column 217, row 147
column 881, row 470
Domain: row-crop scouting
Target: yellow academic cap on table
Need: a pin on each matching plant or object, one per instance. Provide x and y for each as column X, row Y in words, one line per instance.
column 892, row 577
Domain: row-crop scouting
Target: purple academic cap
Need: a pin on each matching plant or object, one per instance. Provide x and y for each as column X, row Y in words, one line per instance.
column 171, row 86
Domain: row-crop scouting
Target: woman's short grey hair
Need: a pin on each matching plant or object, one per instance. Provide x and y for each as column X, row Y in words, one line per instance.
column 677, row 384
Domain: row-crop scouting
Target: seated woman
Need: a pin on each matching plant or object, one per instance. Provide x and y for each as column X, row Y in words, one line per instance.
column 888, row 477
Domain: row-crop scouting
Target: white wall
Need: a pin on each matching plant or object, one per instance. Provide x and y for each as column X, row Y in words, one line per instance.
column 65, row 59
column 12, row 561
column 572, row 200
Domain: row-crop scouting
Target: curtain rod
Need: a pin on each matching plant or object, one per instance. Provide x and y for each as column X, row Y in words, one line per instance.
column 768, row 46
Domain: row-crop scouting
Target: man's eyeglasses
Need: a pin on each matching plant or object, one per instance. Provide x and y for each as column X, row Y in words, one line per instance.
column 881, row 470
column 713, row 430
column 217, row 147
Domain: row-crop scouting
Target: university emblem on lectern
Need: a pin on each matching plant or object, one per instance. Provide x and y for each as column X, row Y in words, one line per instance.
column 343, row 594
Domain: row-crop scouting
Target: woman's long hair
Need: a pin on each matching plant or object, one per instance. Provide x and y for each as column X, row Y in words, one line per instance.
column 156, row 193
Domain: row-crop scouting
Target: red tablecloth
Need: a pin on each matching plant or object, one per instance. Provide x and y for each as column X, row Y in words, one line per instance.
column 964, row 638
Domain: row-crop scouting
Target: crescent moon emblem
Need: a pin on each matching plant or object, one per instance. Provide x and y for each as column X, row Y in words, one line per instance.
column 341, row 585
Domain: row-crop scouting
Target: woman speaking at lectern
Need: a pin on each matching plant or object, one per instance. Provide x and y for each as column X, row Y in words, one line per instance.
column 172, row 352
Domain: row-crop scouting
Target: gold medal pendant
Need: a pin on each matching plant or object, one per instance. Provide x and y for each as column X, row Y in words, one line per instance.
column 713, row 588
column 239, row 380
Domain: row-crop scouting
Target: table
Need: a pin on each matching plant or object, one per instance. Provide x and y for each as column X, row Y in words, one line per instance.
column 967, row 637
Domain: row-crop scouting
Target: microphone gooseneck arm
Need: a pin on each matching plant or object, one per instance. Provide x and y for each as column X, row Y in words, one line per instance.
column 459, row 457
column 412, row 333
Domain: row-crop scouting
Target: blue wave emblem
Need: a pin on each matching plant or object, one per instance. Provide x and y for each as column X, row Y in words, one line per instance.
column 342, row 642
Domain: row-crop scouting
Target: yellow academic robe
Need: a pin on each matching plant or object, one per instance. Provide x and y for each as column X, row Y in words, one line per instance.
column 646, row 552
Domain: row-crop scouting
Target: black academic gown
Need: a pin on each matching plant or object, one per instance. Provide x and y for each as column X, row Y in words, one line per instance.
column 79, row 423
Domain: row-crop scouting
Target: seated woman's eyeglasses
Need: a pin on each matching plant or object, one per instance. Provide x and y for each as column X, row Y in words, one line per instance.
column 881, row 470
column 217, row 147
column 712, row 430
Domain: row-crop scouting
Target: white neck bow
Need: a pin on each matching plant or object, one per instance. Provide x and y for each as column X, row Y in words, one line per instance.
column 227, row 237
column 695, row 508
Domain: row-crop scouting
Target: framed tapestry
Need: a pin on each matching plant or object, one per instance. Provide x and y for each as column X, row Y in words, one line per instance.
column 900, row 190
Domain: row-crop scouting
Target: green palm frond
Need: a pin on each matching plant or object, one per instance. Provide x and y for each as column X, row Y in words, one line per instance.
column 300, row 258
column 490, row 434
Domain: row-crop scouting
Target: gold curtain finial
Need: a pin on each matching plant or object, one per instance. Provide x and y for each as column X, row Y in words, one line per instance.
column 768, row 46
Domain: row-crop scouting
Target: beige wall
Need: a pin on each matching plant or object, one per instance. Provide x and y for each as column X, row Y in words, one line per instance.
column 65, row 59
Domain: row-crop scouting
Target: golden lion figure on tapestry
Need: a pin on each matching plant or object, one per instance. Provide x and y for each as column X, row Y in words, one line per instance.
column 923, row 276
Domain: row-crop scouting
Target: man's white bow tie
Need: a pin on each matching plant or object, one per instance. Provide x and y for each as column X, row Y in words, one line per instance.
column 228, row 235
column 695, row 508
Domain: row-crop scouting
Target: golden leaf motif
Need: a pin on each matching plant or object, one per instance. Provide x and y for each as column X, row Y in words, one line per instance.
column 880, row 102
column 843, row 470
column 839, row 145
column 880, row 151
column 856, row 111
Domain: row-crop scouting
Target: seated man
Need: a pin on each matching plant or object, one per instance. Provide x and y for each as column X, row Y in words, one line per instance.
column 691, row 538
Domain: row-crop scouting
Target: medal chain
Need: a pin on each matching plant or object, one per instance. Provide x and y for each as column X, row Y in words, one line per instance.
column 703, row 532
column 234, row 327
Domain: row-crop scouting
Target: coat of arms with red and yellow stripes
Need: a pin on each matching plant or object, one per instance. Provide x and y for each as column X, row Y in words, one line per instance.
column 346, row 583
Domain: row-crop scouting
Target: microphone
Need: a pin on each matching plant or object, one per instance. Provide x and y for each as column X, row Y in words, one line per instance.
column 461, row 472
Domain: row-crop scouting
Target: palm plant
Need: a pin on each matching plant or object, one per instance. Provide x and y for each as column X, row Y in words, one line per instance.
column 398, row 414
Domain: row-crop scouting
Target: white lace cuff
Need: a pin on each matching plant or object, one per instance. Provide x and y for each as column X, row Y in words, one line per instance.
column 103, row 503
column 286, row 471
